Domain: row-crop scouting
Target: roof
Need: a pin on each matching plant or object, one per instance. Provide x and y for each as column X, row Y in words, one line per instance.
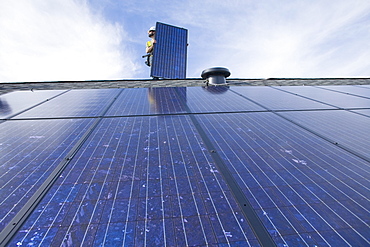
column 259, row 162
column 180, row 83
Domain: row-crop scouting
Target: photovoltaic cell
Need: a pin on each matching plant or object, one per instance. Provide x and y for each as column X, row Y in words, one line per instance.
column 170, row 51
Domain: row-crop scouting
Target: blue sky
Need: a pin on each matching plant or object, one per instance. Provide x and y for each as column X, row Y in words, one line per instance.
column 104, row 39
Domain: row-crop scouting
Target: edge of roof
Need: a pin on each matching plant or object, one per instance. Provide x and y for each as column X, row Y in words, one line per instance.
column 189, row 82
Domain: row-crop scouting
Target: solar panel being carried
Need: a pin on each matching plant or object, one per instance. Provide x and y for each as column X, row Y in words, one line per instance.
column 170, row 51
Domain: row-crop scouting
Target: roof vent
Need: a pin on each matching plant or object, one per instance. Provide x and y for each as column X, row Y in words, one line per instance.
column 215, row 75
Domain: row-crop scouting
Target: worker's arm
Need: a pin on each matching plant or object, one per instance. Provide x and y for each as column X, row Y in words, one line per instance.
column 149, row 49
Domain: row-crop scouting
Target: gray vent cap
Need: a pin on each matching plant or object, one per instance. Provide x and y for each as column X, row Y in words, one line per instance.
column 215, row 75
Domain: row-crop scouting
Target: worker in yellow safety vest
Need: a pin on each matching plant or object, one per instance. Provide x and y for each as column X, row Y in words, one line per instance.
column 150, row 46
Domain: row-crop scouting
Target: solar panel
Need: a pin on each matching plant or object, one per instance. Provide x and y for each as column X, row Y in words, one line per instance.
column 219, row 166
column 273, row 99
column 147, row 194
column 293, row 178
column 30, row 151
column 336, row 99
column 365, row 112
column 75, row 103
column 149, row 101
column 333, row 125
column 358, row 91
column 170, row 51
column 15, row 102
column 218, row 99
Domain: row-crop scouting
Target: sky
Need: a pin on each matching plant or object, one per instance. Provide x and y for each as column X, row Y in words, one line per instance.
column 67, row 40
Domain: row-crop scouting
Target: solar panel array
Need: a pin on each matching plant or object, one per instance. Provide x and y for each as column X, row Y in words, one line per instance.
column 170, row 51
column 211, row 166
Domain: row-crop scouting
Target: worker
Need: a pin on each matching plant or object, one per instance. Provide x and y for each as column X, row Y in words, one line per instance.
column 150, row 46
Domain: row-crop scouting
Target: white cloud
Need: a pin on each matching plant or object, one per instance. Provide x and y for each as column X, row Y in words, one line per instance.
column 60, row 40
column 279, row 38
column 70, row 40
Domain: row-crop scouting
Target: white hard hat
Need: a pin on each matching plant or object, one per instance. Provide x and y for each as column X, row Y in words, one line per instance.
column 152, row 29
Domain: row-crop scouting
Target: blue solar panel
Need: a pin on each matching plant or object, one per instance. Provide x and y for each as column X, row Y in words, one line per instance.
column 218, row 99
column 343, row 128
column 273, row 99
column 170, row 51
column 30, row 151
column 75, row 103
column 330, row 97
column 218, row 166
column 294, row 179
column 131, row 184
column 149, row 101
column 364, row 112
column 353, row 90
column 16, row 102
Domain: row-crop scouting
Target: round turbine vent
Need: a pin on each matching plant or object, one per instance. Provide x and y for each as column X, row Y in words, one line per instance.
column 215, row 75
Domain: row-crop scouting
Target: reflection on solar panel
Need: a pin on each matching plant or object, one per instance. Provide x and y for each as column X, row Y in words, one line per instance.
column 170, row 51
column 17, row 102
column 222, row 166
column 333, row 98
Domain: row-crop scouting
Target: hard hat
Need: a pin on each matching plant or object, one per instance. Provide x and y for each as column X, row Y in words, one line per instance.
column 152, row 29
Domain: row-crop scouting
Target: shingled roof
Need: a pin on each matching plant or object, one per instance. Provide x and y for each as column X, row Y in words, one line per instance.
column 145, row 83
